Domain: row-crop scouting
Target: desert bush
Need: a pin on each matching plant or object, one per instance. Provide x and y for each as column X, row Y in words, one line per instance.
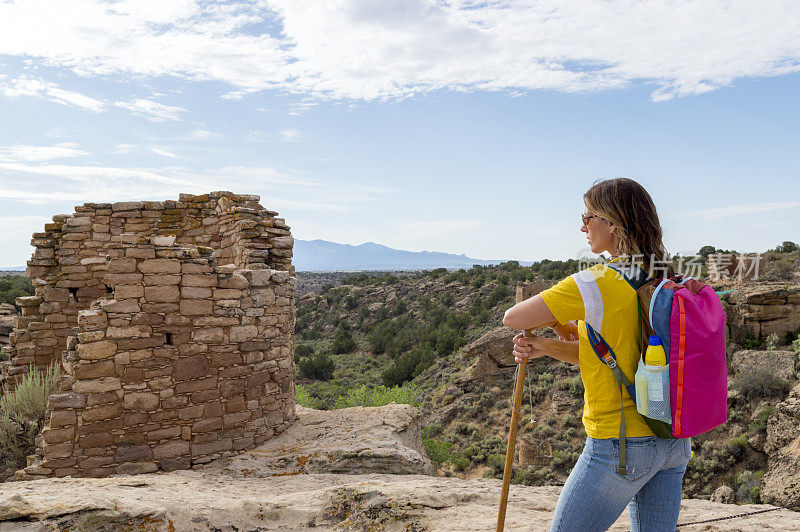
column 22, row 414
column 14, row 286
column 737, row 446
column 303, row 397
column 438, row 451
column 343, row 342
column 318, row 367
column 773, row 341
column 759, row 382
column 378, row 396
column 751, row 342
column 759, row 421
column 498, row 294
column 302, row 351
column 747, row 486
column 462, row 463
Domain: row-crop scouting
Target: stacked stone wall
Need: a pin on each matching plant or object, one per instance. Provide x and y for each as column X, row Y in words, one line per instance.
column 204, row 372
column 71, row 256
column 175, row 334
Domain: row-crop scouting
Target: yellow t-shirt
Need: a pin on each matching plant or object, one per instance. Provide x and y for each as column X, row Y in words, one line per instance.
column 600, row 296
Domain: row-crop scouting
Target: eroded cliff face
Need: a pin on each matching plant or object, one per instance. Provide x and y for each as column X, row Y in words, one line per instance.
column 781, row 485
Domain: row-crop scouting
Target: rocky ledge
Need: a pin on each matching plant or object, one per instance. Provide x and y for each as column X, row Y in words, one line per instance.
column 210, row 499
column 296, row 482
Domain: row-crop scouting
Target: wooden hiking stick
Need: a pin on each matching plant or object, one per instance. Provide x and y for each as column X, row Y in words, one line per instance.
column 519, row 385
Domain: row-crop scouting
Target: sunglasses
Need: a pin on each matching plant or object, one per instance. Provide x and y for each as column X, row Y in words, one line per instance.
column 586, row 217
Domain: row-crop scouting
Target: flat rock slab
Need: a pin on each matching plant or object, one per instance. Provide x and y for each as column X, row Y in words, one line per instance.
column 354, row 440
column 205, row 500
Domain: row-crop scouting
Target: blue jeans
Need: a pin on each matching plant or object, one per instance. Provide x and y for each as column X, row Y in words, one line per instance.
column 595, row 495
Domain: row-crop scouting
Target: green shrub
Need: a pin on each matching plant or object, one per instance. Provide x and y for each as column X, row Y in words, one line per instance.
column 751, row 342
column 343, row 342
column 378, row 396
column 302, row 397
column 759, row 382
column 461, row 463
column 759, row 421
column 408, row 366
column 499, row 293
column 438, row 451
column 319, row 367
column 737, row 446
column 773, row 341
column 14, row 286
column 302, row 351
column 22, row 414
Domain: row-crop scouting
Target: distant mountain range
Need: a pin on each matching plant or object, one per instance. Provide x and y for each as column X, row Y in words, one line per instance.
column 321, row 255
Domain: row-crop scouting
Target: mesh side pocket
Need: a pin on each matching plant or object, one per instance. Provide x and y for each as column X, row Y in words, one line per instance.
column 652, row 392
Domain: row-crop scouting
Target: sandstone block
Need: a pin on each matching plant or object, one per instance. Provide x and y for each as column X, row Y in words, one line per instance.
column 103, row 384
column 92, row 320
column 243, row 333
column 50, row 435
column 66, row 400
column 207, row 425
column 236, row 280
column 122, row 265
column 200, row 449
column 97, row 350
column 211, row 335
column 257, row 277
column 141, row 401
column 99, row 413
column 58, row 450
column 195, row 307
column 136, row 331
column 114, row 279
column 128, row 291
column 192, row 367
column 190, row 412
column 62, row 418
column 171, row 449
column 121, row 306
column 160, row 266
column 133, row 453
column 199, row 280
column 163, row 434
column 92, row 370
column 195, row 292
column 162, row 294
column 88, row 336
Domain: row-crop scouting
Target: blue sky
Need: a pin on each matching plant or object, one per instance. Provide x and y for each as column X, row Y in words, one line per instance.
column 460, row 126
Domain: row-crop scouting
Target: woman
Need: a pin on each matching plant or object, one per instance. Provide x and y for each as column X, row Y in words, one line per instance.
column 621, row 219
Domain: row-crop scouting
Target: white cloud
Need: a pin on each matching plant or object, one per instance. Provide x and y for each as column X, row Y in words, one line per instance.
column 24, row 153
column 33, row 183
column 153, row 111
column 26, row 86
column 258, row 136
column 739, row 210
column 363, row 49
column 203, row 134
column 290, row 135
column 161, row 151
column 123, row 149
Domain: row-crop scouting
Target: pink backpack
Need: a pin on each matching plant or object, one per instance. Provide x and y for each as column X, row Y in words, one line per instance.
column 688, row 317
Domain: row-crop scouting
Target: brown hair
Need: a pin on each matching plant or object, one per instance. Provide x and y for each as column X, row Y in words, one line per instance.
column 626, row 204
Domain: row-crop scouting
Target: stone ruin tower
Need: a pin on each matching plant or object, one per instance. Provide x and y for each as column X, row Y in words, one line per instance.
column 173, row 323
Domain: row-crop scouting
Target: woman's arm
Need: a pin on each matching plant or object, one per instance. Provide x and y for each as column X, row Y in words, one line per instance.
column 536, row 346
column 529, row 314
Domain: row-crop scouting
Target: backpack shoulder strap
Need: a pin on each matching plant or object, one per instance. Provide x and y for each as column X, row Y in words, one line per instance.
column 607, row 357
